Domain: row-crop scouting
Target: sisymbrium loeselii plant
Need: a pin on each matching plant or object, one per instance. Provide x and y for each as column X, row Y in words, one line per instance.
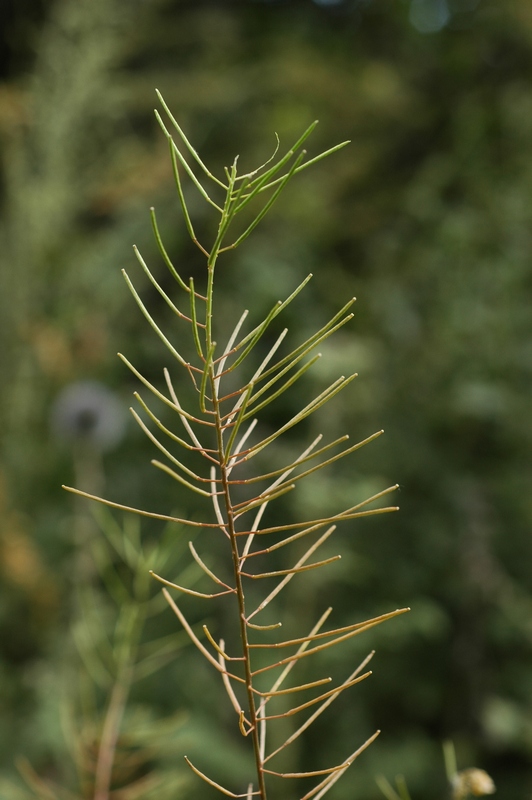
column 223, row 435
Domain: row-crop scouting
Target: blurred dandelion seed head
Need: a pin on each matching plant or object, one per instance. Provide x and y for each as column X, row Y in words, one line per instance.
column 89, row 412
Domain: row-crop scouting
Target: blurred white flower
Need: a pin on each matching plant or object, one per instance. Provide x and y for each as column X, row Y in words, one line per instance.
column 472, row 781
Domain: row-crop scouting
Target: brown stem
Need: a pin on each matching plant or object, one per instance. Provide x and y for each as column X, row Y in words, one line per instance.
column 240, row 594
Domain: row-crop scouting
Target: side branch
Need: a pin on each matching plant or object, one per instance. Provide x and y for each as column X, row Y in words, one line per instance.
column 216, row 785
column 188, row 591
column 140, row 511
column 195, row 639
column 293, row 465
column 335, row 632
column 320, row 647
column 166, row 452
column 206, row 570
column 280, row 586
column 319, row 699
column 344, row 515
column 306, row 774
column 230, row 693
column 308, row 722
column 322, row 788
column 292, row 571
column 168, row 432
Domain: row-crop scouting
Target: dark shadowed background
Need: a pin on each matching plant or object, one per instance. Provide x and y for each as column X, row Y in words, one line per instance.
column 426, row 217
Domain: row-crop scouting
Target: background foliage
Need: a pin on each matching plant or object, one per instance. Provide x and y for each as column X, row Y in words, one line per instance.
column 426, row 217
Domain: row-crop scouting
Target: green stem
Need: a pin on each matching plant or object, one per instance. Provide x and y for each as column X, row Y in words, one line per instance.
column 126, row 654
column 225, row 220
column 208, row 306
column 110, row 734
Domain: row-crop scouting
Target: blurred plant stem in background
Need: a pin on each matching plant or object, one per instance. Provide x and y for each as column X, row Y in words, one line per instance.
column 51, row 163
column 56, row 132
column 110, row 605
column 112, row 747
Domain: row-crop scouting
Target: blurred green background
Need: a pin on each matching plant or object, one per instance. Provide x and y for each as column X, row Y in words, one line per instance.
column 426, row 217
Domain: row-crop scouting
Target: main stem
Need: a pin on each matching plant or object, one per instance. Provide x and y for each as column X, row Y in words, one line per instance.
column 211, row 263
column 240, row 593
